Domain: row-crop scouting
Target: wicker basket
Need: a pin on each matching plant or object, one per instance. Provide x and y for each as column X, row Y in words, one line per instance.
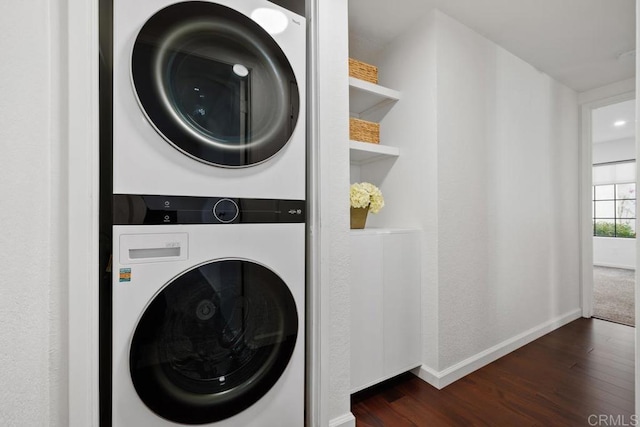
column 364, row 131
column 363, row 71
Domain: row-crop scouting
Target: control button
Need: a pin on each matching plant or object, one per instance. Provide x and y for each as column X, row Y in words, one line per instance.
column 226, row 210
column 161, row 217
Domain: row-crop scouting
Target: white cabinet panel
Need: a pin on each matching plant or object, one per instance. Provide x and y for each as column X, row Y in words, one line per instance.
column 385, row 304
column 401, row 295
column 366, row 309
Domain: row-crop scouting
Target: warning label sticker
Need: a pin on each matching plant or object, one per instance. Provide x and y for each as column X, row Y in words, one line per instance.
column 125, row 274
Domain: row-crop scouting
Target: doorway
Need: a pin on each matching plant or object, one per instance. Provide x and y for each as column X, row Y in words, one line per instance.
column 613, row 211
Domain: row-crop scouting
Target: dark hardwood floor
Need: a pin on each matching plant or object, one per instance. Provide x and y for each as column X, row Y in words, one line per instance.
column 568, row 377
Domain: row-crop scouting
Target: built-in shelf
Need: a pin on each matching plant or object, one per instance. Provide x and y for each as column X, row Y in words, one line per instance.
column 365, row 152
column 370, row 101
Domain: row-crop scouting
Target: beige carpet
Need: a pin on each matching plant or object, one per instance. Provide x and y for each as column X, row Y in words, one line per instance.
column 613, row 295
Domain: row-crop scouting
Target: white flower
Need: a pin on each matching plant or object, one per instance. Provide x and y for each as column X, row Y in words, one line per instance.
column 364, row 195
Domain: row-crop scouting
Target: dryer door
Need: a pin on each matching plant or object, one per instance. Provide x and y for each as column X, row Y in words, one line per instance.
column 213, row 341
column 215, row 84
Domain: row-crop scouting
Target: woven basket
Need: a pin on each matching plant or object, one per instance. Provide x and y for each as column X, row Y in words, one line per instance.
column 364, row 131
column 363, row 71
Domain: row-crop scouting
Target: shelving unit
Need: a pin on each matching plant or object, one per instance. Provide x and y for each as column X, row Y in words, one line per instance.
column 371, row 102
column 385, row 262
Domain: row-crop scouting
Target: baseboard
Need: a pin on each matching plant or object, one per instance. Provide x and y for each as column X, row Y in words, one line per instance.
column 604, row 264
column 346, row 420
column 445, row 377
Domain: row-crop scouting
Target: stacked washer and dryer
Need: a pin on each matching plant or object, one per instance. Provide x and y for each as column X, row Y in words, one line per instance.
column 209, row 161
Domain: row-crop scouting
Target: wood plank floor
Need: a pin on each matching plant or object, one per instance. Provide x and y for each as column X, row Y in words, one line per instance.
column 585, row 368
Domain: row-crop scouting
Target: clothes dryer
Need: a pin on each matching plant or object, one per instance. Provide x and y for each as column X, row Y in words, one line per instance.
column 208, row 314
column 208, row 99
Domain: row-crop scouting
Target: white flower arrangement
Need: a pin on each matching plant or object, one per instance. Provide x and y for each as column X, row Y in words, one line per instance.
column 365, row 194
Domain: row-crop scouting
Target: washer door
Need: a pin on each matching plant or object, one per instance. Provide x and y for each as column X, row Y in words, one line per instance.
column 213, row 341
column 215, row 84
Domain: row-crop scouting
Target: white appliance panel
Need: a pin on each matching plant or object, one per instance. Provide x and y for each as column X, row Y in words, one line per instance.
column 145, row 163
column 279, row 247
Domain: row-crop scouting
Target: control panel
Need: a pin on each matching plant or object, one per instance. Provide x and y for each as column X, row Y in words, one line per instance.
column 133, row 209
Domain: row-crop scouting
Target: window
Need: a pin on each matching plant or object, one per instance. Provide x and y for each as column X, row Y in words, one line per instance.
column 614, row 210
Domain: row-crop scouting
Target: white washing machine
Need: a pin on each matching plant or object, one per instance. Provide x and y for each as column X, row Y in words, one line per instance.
column 208, row 99
column 208, row 314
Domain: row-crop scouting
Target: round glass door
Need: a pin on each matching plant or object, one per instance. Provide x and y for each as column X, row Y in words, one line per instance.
column 215, row 84
column 213, row 341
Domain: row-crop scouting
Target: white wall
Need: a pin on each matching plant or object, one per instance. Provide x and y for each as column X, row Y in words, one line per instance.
column 505, row 130
column 333, row 189
column 614, row 252
column 497, row 143
column 32, row 296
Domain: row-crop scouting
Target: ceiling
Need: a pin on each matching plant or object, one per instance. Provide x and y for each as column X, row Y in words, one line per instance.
column 577, row 42
column 614, row 122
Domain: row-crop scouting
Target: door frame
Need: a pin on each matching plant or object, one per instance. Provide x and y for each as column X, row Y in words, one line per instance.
column 81, row 89
column 586, row 183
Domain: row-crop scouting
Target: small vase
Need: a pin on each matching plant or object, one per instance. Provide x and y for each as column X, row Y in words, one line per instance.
column 359, row 217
